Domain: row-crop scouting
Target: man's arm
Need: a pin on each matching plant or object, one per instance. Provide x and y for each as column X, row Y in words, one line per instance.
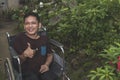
column 49, row 59
column 45, row 67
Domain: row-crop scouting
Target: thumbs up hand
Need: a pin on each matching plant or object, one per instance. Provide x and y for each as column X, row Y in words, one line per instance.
column 29, row 52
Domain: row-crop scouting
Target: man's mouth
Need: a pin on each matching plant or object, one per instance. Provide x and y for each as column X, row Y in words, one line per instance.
column 30, row 30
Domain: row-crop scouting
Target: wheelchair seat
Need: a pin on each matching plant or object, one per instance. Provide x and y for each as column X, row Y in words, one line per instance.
column 56, row 68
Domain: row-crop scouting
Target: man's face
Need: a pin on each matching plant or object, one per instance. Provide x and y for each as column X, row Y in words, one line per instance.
column 31, row 25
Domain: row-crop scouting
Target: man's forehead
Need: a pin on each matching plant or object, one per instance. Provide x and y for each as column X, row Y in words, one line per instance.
column 31, row 19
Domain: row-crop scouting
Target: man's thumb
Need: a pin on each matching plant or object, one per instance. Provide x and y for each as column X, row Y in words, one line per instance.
column 29, row 44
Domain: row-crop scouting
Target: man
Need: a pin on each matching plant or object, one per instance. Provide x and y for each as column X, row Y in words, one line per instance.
column 34, row 50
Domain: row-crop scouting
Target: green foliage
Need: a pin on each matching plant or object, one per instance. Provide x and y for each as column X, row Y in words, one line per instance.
column 109, row 71
column 89, row 25
column 102, row 73
column 112, row 53
column 18, row 15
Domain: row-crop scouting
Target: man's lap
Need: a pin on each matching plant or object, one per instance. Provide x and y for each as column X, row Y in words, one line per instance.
column 31, row 76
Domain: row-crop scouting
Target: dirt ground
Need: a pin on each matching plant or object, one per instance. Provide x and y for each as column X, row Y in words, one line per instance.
column 5, row 26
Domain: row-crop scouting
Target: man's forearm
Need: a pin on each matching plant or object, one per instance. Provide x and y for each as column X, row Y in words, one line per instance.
column 49, row 59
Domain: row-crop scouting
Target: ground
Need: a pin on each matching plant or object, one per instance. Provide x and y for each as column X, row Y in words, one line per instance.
column 5, row 26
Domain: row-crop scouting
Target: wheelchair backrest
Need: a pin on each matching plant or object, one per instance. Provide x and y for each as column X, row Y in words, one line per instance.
column 10, row 39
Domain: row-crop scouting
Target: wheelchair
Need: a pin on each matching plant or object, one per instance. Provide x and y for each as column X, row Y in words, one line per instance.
column 57, row 67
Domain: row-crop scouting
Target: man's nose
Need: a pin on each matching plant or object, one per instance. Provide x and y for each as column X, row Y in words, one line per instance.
column 30, row 25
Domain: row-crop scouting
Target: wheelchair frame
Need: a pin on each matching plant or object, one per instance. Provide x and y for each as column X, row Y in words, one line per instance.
column 14, row 74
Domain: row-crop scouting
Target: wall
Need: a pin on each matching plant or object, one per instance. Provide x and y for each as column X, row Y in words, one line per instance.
column 13, row 3
column 6, row 4
column 3, row 4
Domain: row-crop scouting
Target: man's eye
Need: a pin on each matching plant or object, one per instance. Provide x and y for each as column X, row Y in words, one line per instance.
column 27, row 23
column 30, row 23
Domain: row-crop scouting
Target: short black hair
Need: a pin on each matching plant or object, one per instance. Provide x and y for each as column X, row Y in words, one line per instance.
column 32, row 14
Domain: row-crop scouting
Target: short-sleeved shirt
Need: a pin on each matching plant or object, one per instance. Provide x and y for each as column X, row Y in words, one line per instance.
column 32, row 64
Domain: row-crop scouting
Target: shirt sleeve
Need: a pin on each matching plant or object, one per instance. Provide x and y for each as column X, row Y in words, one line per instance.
column 18, row 45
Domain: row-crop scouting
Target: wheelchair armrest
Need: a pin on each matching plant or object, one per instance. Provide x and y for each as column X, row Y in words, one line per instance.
column 58, row 59
column 13, row 52
column 15, row 59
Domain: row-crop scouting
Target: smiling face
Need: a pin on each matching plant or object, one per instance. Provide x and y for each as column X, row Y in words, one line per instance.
column 31, row 25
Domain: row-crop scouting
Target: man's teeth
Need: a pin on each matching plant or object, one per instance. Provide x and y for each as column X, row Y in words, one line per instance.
column 30, row 30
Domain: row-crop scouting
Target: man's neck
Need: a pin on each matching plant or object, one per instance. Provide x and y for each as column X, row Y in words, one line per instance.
column 33, row 36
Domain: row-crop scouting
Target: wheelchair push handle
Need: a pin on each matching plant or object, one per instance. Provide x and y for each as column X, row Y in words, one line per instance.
column 54, row 42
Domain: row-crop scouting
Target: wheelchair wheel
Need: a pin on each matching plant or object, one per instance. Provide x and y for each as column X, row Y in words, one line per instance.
column 9, row 70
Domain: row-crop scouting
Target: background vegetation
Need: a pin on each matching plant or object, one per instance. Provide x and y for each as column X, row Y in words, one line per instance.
column 85, row 27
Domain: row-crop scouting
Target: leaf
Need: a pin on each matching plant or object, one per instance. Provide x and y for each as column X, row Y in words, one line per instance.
column 102, row 77
column 111, row 78
column 93, row 78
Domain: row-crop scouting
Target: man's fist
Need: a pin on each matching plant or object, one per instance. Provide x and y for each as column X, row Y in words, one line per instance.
column 29, row 52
